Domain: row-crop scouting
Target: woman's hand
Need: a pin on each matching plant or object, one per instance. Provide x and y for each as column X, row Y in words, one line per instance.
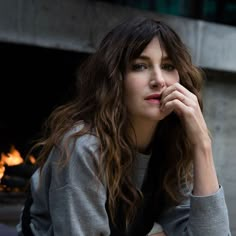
column 178, row 99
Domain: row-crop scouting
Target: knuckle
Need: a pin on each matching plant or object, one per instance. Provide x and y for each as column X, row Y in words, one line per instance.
column 176, row 101
column 195, row 105
column 176, row 93
column 195, row 99
column 190, row 111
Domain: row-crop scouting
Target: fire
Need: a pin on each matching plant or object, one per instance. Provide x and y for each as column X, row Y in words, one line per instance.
column 32, row 159
column 2, row 170
column 12, row 158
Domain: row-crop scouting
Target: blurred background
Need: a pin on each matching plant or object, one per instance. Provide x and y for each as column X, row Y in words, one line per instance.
column 43, row 42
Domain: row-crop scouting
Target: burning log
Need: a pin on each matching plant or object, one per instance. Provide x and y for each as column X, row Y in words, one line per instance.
column 22, row 170
column 14, row 182
column 14, row 172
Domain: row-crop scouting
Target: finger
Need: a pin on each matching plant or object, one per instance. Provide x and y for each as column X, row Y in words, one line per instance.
column 180, row 88
column 177, row 95
column 177, row 106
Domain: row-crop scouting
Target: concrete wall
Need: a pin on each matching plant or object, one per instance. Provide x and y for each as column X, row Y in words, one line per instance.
column 220, row 112
column 79, row 25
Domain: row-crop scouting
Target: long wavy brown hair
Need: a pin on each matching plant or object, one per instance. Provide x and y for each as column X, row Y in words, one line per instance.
column 100, row 105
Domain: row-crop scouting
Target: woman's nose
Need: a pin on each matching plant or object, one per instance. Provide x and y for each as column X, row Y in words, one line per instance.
column 157, row 79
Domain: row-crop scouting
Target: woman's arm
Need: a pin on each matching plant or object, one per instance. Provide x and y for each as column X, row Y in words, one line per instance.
column 198, row 216
column 206, row 212
column 185, row 104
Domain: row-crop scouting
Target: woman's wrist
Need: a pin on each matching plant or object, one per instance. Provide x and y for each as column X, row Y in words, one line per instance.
column 204, row 144
column 205, row 178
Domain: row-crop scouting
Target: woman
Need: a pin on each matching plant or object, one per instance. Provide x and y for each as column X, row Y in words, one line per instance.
column 131, row 155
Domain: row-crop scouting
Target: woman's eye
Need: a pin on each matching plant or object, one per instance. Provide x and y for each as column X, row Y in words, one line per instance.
column 168, row 67
column 139, row 67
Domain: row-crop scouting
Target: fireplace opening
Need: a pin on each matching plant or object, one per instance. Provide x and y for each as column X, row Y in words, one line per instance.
column 34, row 80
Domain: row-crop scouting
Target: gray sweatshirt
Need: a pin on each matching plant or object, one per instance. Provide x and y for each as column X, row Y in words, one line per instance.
column 71, row 200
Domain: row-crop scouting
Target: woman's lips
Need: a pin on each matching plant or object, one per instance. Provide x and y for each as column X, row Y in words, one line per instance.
column 153, row 101
column 153, row 98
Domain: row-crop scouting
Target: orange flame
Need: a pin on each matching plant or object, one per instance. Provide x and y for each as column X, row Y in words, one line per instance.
column 2, row 170
column 12, row 158
column 32, row 159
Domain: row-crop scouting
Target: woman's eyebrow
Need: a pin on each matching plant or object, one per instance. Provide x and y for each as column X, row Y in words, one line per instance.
column 143, row 57
column 165, row 58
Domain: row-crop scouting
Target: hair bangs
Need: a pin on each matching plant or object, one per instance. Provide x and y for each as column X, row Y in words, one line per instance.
column 137, row 41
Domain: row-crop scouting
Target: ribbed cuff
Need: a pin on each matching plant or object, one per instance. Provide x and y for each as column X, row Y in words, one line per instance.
column 212, row 207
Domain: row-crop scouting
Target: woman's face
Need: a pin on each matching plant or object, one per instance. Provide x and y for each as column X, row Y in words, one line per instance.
column 145, row 80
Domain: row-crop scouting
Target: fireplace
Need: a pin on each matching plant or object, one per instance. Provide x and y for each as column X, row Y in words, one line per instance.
column 34, row 80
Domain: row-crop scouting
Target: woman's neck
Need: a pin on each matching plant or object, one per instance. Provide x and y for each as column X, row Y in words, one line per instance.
column 144, row 132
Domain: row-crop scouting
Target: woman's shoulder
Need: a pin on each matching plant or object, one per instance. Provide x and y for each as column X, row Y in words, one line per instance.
column 82, row 136
column 77, row 154
column 78, row 145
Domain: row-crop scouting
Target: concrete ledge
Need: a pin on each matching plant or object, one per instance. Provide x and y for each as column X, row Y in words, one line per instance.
column 79, row 25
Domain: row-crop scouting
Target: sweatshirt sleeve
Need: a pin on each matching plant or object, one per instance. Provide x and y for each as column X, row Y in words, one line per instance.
column 77, row 196
column 198, row 216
